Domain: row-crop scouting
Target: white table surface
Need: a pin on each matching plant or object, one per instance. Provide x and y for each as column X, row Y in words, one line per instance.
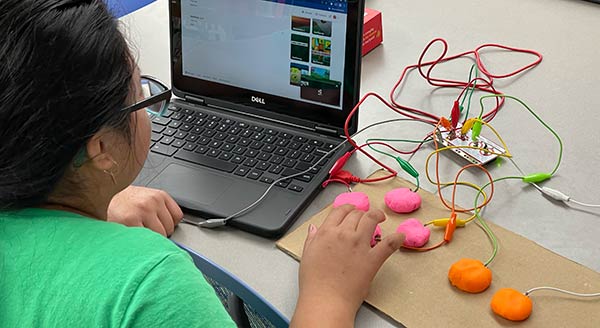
column 563, row 90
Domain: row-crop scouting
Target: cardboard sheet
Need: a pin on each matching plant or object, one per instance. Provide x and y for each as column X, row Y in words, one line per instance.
column 413, row 289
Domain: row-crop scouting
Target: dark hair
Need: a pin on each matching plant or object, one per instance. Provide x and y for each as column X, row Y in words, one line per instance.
column 65, row 73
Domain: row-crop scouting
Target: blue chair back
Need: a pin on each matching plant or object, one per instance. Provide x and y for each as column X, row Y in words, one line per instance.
column 245, row 306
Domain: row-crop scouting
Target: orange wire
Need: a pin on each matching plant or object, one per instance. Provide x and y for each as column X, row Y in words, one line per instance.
column 439, row 186
column 425, row 249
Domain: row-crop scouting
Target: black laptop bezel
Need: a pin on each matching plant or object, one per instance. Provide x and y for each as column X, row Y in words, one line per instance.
column 314, row 117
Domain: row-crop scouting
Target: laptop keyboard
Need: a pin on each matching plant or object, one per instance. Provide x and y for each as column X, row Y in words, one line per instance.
column 237, row 147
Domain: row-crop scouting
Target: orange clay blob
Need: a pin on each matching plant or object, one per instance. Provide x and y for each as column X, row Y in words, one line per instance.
column 511, row 304
column 470, row 276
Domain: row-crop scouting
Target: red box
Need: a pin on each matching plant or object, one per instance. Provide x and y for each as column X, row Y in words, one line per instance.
column 372, row 30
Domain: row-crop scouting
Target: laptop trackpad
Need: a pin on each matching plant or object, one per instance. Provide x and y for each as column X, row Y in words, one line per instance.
column 183, row 182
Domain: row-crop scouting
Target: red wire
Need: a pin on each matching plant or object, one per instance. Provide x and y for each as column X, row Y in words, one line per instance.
column 419, row 115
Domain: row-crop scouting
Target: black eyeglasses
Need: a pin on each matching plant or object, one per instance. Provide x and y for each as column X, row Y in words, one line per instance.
column 156, row 97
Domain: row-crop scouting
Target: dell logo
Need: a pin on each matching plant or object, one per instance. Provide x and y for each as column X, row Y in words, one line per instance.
column 258, row 100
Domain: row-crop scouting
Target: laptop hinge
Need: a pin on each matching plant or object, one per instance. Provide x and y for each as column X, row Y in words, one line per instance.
column 328, row 131
column 194, row 99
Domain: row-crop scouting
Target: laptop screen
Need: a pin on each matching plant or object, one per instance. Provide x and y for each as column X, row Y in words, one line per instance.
column 244, row 43
column 296, row 58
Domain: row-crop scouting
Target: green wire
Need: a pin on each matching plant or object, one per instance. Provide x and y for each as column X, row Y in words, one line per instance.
column 471, row 90
column 462, row 102
column 534, row 115
column 392, row 156
column 484, row 225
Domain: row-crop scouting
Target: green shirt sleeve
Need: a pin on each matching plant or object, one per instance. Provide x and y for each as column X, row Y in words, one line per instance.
column 175, row 294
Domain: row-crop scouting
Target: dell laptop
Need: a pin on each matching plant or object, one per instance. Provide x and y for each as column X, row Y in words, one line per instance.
column 263, row 90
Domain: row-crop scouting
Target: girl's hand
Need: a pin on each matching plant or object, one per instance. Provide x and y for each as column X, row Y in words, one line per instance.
column 145, row 207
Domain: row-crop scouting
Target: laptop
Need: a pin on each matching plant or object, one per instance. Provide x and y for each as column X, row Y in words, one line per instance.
column 263, row 91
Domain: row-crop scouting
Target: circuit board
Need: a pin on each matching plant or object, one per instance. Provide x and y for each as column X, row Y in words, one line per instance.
column 485, row 152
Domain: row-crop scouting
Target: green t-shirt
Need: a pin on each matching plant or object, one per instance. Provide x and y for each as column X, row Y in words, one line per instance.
column 59, row 269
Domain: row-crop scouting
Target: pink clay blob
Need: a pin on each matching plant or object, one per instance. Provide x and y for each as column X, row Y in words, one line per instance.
column 402, row 200
column 416, row 234
column 376, row 236
column 360, row 200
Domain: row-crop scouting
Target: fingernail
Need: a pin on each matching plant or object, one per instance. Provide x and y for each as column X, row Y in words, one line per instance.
column 311, row 228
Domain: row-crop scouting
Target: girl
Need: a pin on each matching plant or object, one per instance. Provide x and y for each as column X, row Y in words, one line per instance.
column 74, row 134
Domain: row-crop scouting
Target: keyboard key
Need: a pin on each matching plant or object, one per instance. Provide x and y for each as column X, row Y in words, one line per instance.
column 175, row 124
column 239, row 150
column 212, row 124
column 251, row 153
column 158, row 128
column 189, row 146
column 242, row 171
column 178, row 143
column 209, row 133
column 163, row 149
column 185, row 127
column 264, row 156
column 267, row 180
column 257, row 128
column 295, row 188
column 308, row 158
column 192, row 138
column 276, row 169
column 316, row 143
column 213, row 153
column 250, row 162
column 308, row 148
column 161, row 120
column 180, row 134
column 169, row 132
column 285, row 135
column 289, row 162
column 304, row 177
column 276, row 159
column 232, row 139
column 225, row 156
column 271, row 132
column 167, row 140
column 237, row 159
column 295, row 154
column 281, row 151
column 234, row 130
column 294, row 145
column 155, row 137
column 178, row 116
column 282, row 142
column 300, row 139
column 197, row 130
column 220, row 136
column 254, row 174
column 283, row 184
column 258, row 136
column 228, row 121
column 256, row 145
column 246, row 134
column 202, row 149
column 215, row 144
column 270, row 139
column 205, row 161
column 269, row 148
column 263, row 166
column 227, row 147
